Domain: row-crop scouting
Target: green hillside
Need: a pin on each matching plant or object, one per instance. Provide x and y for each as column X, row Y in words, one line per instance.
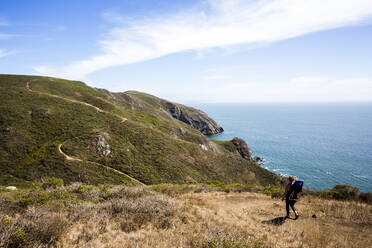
column 110, row 137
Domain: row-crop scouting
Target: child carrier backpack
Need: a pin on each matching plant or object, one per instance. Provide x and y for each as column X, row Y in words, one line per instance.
column 297, row 186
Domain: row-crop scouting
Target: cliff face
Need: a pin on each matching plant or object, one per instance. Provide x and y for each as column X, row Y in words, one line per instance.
column 193, row 117
column 242, row 148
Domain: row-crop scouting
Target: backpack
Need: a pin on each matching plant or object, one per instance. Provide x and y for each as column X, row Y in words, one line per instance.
column 297, row 186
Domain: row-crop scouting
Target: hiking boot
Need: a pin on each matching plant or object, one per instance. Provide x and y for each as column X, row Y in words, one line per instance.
column 296, row 216
column 286, row 217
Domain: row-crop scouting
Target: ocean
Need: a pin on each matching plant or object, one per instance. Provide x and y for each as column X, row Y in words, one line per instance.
column 323, row 144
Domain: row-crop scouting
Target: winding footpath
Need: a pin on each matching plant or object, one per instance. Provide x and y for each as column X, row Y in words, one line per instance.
column 75, row 101
column 69, row 158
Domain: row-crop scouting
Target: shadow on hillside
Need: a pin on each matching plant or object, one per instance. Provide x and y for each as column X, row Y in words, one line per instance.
column 276, row 221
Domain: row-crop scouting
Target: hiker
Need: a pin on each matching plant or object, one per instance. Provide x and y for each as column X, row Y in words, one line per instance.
column 290, row 195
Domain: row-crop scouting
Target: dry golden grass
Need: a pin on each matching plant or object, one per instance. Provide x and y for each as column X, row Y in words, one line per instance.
column 218, row 219
column 337, row 224
column 123, row 216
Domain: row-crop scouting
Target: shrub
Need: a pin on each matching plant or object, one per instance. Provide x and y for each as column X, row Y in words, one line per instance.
column 346, row 191
column 365, row 197
column 222, row 243
column 341, row 192
column 41, row 217
column 52, row 182
column 275, row 191
column 132, row 214
column 10, row 234
column 43, row 226
column 178, row 189
column 224, row 238
column 38, row 227
column 215, row 183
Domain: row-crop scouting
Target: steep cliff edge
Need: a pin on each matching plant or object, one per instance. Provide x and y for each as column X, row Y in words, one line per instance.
column 193, row 117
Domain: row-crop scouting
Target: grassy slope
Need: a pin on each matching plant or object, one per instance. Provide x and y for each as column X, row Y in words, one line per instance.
column 148, row 146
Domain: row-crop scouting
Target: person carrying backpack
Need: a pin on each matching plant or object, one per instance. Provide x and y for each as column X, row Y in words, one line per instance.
column 290, row 195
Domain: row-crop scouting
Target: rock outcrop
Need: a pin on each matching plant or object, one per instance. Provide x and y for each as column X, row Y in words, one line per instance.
column 259, row 160
column 242, row 148
column 193, row 117
column 102, row 146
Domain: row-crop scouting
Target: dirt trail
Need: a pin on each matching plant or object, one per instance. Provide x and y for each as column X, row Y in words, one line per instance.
column 263, row 218
column 69, row 158
column 118, row 172
column 74, row 101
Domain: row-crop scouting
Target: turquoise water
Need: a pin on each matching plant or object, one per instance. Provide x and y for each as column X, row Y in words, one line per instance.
column 321, row 143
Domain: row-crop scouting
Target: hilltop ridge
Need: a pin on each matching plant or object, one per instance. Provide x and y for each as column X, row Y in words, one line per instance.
column 191, row 116
column 59, row 128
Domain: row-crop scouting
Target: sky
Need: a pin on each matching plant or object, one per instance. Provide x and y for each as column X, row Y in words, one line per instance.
column 196, row 51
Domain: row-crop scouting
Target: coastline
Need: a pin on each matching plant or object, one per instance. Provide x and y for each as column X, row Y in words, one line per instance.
column 323, row 144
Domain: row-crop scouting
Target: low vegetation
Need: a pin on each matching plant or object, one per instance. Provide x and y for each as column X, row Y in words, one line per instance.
column 199, row 216
column 38, row 114
column 39, row 217
column 228, row 145
column 341, row 192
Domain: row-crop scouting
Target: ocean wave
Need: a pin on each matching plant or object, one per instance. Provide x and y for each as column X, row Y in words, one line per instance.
column 359, row 176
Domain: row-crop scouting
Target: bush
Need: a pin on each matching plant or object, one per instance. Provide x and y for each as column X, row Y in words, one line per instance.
column 275, row 191
column 365, row 197
column 132, row 214
column 177, row 189
column 209, row 186
column 43, row 226
column 341, row 192
column 215, row 183
column 10, row 234
column 52, row 182
column 346, row 191
column 225, row 238
column 36, row 228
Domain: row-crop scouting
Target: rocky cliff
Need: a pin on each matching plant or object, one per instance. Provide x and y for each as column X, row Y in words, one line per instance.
column 242, row 148
column 193, row 117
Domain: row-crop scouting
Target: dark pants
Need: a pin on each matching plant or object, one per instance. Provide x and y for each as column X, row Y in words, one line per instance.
column 291, row 203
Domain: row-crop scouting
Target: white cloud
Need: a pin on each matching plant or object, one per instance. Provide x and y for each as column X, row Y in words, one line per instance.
column 6, row 36
column 219, row 23
column 4, row 52
column 300, row 89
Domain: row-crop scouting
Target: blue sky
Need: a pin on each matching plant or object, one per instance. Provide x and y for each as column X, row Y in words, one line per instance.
column 196, row 51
